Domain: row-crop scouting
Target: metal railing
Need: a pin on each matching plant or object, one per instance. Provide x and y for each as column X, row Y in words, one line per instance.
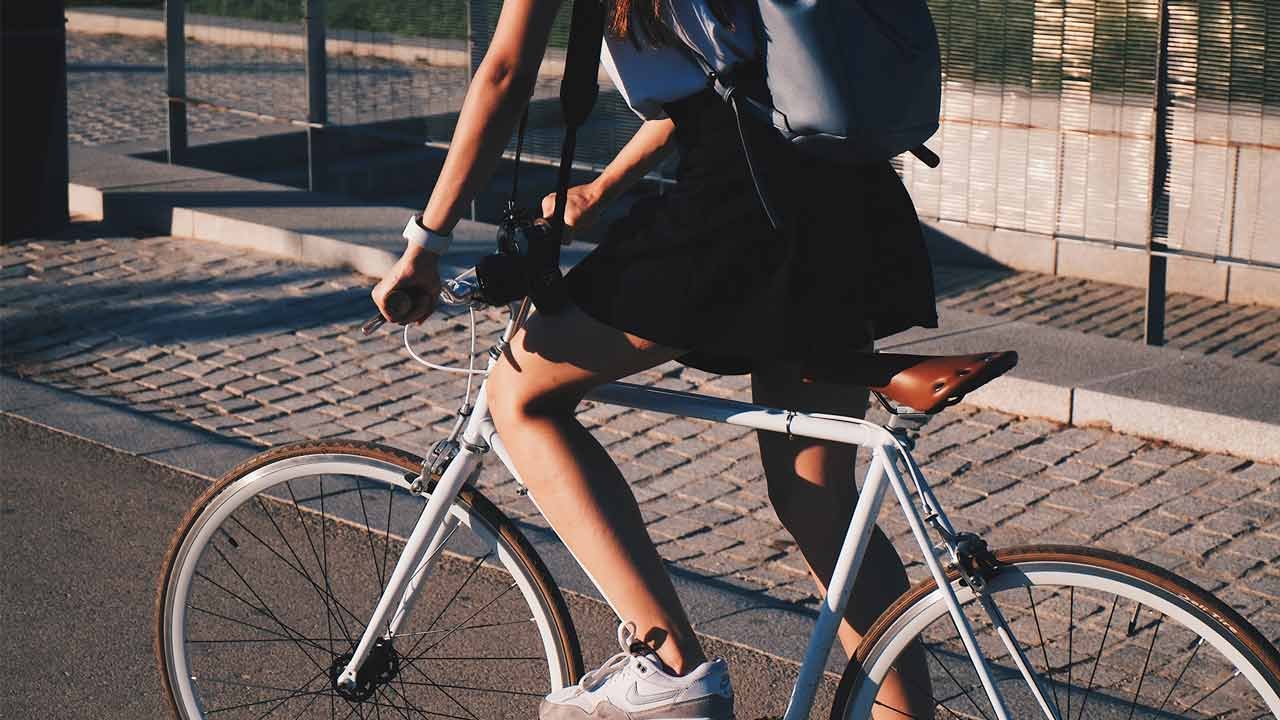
column 1141, row 125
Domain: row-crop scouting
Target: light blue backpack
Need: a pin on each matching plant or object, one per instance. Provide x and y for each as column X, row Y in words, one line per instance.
column 855, row 80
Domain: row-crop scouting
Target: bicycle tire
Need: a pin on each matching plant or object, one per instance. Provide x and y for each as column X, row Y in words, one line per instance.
column 1031, row 567
column 394, row 470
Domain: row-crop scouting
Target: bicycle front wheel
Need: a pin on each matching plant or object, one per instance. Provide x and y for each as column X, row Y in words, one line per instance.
column 269, row 583
column 1110, row 637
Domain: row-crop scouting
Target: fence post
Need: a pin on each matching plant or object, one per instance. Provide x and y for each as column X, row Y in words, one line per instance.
column 477, row 45
column 175, row 67
column 1157, row 262
column 317, row 93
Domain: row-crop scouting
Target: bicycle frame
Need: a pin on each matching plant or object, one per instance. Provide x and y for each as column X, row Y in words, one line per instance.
column 889, row 452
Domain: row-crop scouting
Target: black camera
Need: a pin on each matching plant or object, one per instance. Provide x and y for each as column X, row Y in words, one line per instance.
column 507, row 275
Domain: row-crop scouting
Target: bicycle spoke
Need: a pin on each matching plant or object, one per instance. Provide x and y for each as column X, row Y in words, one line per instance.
column 228, row 618
column 1178, row 681
column 294, row 696
column 1220, row 685
column 311, row 702
column 277, row 700
column 480, row 627
column 300, row 569
column 264, row 608
column 386, row 533
column 297, row 508
column 474, row 569
column 428, row 712
column 382, row 692
column 476, row 689
column 467, row 580
column 288, row 631
column 437, row 687
column 1145, row 663
column 460, row 625
column 1101, row 646
column 1044, row 651
column 1071, row 636
column 309, row 641
column 373, row 553
column 955, row 680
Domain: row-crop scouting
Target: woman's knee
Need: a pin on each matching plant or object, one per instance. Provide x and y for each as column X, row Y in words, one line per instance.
column 515, row 394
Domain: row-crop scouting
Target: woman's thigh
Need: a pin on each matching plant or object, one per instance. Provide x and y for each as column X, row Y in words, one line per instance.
column 556, row 359
column 796, row 465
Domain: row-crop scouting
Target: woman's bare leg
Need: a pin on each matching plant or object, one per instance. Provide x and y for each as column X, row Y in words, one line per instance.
column 811, row 485
column 532, row 393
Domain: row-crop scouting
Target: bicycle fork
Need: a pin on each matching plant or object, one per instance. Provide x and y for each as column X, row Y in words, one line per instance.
column 429, row 535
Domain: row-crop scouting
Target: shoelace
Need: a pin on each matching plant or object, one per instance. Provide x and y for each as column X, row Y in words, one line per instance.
column 626, row 639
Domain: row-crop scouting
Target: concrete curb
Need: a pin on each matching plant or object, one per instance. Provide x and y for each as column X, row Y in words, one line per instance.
column 1066, row 377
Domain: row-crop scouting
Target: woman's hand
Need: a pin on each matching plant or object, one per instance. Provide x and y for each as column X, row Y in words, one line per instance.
column 415, row 274
column 581, row 210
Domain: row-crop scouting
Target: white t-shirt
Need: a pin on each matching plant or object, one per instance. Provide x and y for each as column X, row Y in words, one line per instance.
column 648, row 76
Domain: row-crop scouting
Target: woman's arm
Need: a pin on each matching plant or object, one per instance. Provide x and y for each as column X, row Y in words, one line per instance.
column 648, row 147
column 497, row 95
column 495, row 99
column 651, row 143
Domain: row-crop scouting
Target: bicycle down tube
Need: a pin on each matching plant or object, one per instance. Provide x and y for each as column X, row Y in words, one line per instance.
column 411, row 571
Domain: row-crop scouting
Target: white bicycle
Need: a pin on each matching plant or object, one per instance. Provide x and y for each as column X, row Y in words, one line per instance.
column 301, row 584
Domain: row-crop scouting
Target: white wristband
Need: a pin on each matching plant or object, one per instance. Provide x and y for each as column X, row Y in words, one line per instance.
column 429, row 240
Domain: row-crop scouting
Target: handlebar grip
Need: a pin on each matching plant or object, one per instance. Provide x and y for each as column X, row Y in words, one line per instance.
column 398, row 305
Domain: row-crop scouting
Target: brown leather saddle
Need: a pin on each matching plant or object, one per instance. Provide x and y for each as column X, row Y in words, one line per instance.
column 925, row 383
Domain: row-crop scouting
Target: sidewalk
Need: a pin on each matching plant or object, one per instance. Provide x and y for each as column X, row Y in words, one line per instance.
column 259, row 351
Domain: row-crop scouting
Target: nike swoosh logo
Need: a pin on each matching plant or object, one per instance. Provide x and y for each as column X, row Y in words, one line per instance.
column 635, row 698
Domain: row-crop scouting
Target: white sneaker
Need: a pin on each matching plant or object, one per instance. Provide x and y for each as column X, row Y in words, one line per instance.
column 633, row 685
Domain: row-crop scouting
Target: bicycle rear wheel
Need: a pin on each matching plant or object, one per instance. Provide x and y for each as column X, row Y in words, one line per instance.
column 1111, row 637
column 268, row 583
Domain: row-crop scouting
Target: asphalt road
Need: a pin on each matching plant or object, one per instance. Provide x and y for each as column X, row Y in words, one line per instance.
column 84, row 532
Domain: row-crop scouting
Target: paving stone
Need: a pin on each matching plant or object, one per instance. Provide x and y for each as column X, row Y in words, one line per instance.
column 985, row 482
column 1191, row 542
column 675, row 527
column 1130, row 473
column 1039, row 518
column 1218, row 463
column 1073, row 471
column 1163, row 456
column 1104, row 454
column 1259, row 474
column 705, row 489
column 660, row 459
column 980, row 452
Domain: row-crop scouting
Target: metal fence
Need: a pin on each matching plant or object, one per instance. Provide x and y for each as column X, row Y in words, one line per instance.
column 1149, row 125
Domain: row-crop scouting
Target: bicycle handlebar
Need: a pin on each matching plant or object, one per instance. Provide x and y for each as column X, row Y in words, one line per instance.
column 455, row 292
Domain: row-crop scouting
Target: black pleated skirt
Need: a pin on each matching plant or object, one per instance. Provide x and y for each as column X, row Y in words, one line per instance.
column 699, row 268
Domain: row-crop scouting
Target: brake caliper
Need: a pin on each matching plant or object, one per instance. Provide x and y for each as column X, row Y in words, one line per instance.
column 976, row 562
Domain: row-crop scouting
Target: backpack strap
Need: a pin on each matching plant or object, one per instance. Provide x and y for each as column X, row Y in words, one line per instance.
column 724, row 83
column 578, row 92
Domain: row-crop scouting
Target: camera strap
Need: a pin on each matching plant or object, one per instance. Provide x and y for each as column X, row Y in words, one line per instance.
column 578, row 91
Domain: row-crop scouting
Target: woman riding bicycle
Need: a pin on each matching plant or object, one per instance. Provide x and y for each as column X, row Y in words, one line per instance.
column 698, row 275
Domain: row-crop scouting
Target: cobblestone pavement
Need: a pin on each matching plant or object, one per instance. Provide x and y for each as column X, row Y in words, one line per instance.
column 1248, row 332
column 116, row 87
column 251, row 347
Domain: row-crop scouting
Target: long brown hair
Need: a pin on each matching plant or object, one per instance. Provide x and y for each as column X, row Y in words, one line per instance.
column 643, row 21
